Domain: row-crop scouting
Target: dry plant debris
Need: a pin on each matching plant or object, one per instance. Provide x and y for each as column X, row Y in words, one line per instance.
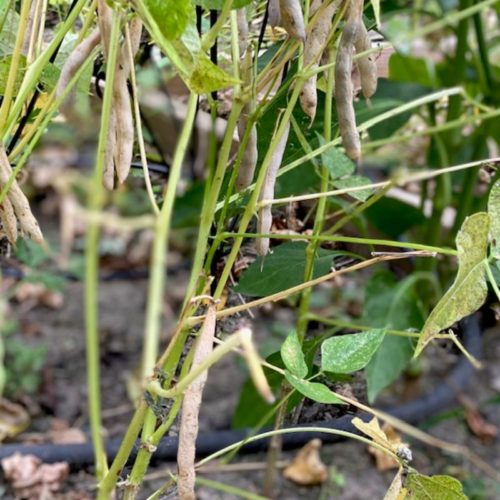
column 31, row 479
column 307, row 469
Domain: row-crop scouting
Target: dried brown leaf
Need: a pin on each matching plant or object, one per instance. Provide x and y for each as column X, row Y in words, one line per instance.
column 307, row 469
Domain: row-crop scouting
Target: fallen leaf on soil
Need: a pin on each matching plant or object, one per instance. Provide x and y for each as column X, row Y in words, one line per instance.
column 61, row 433
column 32, row 479
column 307, row 468
column 13, row 419
column 39, row 294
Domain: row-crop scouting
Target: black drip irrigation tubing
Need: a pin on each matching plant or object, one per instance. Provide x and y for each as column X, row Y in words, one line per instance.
column 437, row 400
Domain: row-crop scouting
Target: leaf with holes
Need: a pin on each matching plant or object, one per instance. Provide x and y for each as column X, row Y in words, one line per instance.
column 292, row 355
column 468, row 292
column 313, row 390
column 420, row 487
column 349, row 353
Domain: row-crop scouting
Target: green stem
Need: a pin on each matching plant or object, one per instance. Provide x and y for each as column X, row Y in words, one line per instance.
column 95, row 202
column 159, row 252
column 108, row 483
column 348, row 239
column 14, row 65
column 486, row 71
column 32, row 76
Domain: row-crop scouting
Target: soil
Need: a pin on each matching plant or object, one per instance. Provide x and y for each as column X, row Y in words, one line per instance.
column 353, row 474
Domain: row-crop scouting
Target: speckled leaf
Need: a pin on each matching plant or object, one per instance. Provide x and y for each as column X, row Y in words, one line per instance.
column 420, row 487
column 494, row 213
column 349, row 353
column 469, row 289
column 292, row 355
column 313, row 390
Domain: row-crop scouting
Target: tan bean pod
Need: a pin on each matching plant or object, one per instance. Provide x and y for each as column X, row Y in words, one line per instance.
column 292, row 19
column 27, row 222
column 250, row 155
column 191, row 403
column 366, row 64
column 344, row 91
column 265, row 220
column 313, row 47
column 77, row 57
column 8, row 220
column 273, row 13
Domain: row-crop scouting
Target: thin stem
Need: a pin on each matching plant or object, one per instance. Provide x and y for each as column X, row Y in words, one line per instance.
column 159, row 251
column 137, row 117
column 302, row 286
column 14, row 64
column 265, row 435
column 95, row 201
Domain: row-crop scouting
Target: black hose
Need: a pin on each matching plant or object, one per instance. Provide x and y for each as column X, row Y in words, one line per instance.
column 439, row 399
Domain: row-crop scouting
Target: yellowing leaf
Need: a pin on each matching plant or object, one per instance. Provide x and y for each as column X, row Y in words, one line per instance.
column 494, row 213
column 373, row 430
column 469, row 289
column 207, row 77
column 396, row 488
column 422, row 487
column 307, row 468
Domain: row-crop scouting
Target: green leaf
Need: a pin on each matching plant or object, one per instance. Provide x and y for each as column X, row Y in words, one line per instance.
column 30, row 253
column 283, row 269
column 349, row 353
column 207, row 77
column 218, row 4
column 402, row 216
column 412, row 69
column 338, row 164
column 313, row 390
column 292, row 355
column 355, row 181
column 422, row 487
column 391, row 304
column 4, row 73
column 469, row 290
column 171, row 16
column 494, row 213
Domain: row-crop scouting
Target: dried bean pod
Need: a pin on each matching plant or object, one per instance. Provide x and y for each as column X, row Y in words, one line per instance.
column 366, row 64
column 77, row 57
column 293, row 19
column 315, row 43
column 27, row 222
column 122, row 105
column 265, row 219
column 108, row 179
column 344, row 91
column 273, row 13
column 8, row 220
column 191, row 403
column 250, row 155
